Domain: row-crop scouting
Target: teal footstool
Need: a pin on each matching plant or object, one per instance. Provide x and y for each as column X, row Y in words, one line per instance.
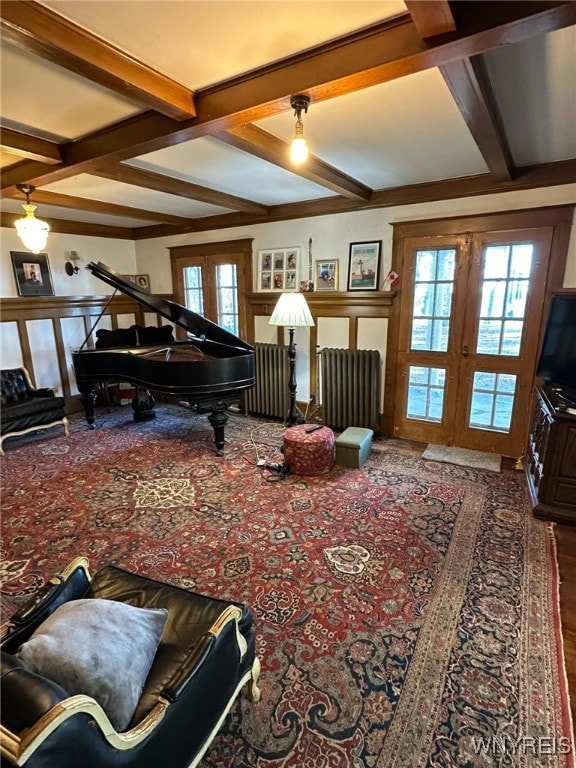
column 353, row 446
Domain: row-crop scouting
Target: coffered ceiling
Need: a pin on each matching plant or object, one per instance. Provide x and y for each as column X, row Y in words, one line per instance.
column 144, row 118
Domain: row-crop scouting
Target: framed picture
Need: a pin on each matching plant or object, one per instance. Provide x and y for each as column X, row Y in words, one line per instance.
column 326, row 276
column 129, row 277
column 278, row 269
column 142, row 281
column 32, row 273
column 364, row 266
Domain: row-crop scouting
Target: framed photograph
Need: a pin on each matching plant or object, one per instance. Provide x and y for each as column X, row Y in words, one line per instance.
column 326, row 276
column 142, row 281
column 129, row 277
column 32, row 273
column 364, row 266
column 278, row 269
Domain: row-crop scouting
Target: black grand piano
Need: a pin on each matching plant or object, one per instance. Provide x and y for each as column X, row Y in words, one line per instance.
column 209, row 369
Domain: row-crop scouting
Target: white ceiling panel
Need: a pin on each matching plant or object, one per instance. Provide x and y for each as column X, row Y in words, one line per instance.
column 402, row 132
column 535, row 86
column 70, row 107
column 7, row 159
column 209, row 162
column 109, row 191
column 201, row 43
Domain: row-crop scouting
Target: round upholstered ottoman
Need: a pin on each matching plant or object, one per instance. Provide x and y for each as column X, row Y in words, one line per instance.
column 309, row 453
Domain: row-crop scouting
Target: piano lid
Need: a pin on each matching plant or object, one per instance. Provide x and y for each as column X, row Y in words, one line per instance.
column 195, row 324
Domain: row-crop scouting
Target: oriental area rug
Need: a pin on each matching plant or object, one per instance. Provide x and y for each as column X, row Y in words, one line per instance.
column 407, row 612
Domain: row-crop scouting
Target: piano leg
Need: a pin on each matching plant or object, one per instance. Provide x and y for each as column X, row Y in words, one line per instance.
column 218, row 418
column 88, row 400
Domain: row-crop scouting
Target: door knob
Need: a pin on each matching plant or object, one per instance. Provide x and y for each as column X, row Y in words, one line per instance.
column 465, row 351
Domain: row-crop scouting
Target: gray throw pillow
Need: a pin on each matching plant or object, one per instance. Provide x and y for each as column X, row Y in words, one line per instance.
column 101, row 648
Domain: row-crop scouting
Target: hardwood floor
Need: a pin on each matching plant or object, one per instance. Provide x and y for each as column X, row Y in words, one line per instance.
column 566, row 541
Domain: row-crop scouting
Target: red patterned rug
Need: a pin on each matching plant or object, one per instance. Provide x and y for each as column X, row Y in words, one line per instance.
column 407, row 612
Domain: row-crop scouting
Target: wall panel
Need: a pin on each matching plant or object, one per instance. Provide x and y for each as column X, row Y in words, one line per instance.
column 10, row 346
column 44, row 352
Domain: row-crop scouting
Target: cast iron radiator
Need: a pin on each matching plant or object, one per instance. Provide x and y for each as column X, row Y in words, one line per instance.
column 350, row 388
column 269, row 396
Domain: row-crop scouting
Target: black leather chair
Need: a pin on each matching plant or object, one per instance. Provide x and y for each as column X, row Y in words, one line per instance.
column 205, row 657
column 25, row 408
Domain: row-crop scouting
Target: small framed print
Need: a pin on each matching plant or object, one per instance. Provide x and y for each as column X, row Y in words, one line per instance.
column 326, row 276
column 32, row 273
column 142, row 281
column 364, row 266
column 278, row 269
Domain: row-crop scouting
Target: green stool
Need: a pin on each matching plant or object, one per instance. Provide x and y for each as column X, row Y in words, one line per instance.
column 353, row 446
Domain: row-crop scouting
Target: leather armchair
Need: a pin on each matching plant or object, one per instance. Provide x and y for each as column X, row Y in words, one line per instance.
column 25, row 408
column 205, row 657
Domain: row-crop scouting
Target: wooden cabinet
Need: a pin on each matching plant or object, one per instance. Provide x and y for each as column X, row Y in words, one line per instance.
column 551, row 461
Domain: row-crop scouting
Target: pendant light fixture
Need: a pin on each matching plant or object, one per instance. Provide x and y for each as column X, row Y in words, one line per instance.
column 32, row 231
column 298, row 148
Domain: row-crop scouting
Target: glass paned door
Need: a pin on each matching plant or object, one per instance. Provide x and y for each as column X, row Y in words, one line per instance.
column 210, row 282
column 505, row 290
column 468, row 337
column 227, row 297
column 193, row 297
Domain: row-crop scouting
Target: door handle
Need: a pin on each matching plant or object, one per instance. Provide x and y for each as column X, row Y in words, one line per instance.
column 464, row 351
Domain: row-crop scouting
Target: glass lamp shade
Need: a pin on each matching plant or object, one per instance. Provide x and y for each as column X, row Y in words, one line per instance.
column 32, row 231
column 291, row 311
column 298, row 150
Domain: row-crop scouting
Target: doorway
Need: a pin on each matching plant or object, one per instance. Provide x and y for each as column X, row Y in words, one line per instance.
column 468, row 329
column 211, row 278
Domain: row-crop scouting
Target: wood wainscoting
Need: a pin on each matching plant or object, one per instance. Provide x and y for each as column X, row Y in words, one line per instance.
column 355, row 311
column 40, row 333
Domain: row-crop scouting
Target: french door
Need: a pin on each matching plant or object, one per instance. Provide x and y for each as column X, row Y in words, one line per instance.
column 470, row 318
column 210, row 279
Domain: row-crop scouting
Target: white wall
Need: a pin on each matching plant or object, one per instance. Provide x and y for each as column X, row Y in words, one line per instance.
column 332, row 235
column 119, row 254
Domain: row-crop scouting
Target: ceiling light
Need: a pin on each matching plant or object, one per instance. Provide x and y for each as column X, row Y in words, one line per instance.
column 298, row 148
column 32, row 231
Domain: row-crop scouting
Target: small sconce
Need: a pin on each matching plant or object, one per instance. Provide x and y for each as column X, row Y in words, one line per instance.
column 71, row 268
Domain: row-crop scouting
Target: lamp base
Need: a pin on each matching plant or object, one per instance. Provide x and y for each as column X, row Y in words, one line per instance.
column 294, row 418
column 293, row 412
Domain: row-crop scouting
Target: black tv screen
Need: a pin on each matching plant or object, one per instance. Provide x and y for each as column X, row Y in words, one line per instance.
column 557, row 364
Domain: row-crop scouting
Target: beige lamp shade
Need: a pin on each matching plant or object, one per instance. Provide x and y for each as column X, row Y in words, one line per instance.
column 291, row 311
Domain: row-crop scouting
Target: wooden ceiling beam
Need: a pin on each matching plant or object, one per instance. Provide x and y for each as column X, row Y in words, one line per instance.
column 255, row 141
column 66, row 227
column 39, row 30
column 43, row 197
column 373, row 55
column 431, row 17
column 30, row 147
column 532, row 177
column 172, row 186
column 470, row 87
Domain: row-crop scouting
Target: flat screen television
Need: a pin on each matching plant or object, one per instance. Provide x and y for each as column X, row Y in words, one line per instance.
column 557, row 364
